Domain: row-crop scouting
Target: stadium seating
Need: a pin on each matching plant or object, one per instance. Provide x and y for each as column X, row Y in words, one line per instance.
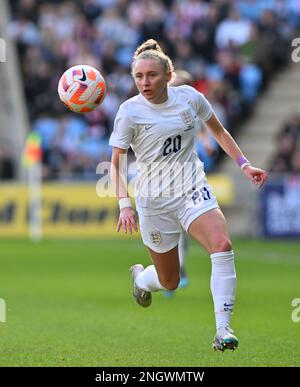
column 230, row 68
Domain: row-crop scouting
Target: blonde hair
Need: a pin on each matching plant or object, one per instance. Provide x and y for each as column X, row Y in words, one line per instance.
column 150, row 49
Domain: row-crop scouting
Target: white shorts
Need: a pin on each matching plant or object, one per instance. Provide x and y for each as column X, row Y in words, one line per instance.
column 161, row 232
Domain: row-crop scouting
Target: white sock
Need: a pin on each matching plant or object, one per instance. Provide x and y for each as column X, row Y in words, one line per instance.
column 148, row 280
column 222, row 285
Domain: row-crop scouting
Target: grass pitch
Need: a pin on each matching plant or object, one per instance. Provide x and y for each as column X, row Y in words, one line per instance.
column 69, row 304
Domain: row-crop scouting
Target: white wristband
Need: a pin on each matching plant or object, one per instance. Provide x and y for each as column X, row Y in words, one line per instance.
column 124, row 202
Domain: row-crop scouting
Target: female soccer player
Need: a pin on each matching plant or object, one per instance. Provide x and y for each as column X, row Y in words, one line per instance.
column 160, row 125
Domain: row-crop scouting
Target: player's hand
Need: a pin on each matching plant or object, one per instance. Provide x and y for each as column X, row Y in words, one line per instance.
column 256, row 175
column 127, row 220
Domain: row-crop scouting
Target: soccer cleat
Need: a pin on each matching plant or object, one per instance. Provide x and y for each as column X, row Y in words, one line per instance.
column 141, row 296
column 169, row 293
column 183, row 283
column 225, row 339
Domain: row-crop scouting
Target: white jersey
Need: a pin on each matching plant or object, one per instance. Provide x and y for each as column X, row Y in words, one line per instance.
column 162, row 137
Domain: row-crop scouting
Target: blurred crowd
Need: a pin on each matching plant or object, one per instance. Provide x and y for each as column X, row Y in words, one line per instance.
column 287, row 156
column 7, row 167
column 231, row 49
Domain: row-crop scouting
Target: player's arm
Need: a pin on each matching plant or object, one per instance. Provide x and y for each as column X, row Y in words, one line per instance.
column 228, row 144
column 127, row 218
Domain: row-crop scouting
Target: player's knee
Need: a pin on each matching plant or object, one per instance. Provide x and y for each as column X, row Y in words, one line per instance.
column 222, row 244
column 169, row 282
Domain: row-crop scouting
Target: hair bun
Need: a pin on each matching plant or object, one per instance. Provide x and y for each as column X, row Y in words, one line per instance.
column 152, row 50
column 150, row 44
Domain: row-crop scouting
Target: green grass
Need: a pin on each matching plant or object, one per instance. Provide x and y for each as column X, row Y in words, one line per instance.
column 69, row 304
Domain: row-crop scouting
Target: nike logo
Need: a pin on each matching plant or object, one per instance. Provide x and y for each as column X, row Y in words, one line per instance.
column 147, row 127
column 83, row 76
column 228, row 307
column 189, row 128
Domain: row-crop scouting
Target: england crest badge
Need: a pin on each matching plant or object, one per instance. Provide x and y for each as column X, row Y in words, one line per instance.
column 187, row 118
column 155, row 237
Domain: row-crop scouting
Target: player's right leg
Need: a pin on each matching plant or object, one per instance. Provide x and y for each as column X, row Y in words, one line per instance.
column 163, row 275
column 183, row 248
column 142, row 296
column 160, row 235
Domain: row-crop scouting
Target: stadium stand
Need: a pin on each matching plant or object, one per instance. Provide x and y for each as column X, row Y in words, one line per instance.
column 13, row 112
column 262, row 143
column 7, row 168
column 287, row 155
column 232, row 49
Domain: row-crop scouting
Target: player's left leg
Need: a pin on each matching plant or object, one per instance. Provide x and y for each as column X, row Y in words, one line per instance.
column 210, row 230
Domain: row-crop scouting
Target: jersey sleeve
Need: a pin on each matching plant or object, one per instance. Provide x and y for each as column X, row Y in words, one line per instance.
column 205, row 109
column 123, row 131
